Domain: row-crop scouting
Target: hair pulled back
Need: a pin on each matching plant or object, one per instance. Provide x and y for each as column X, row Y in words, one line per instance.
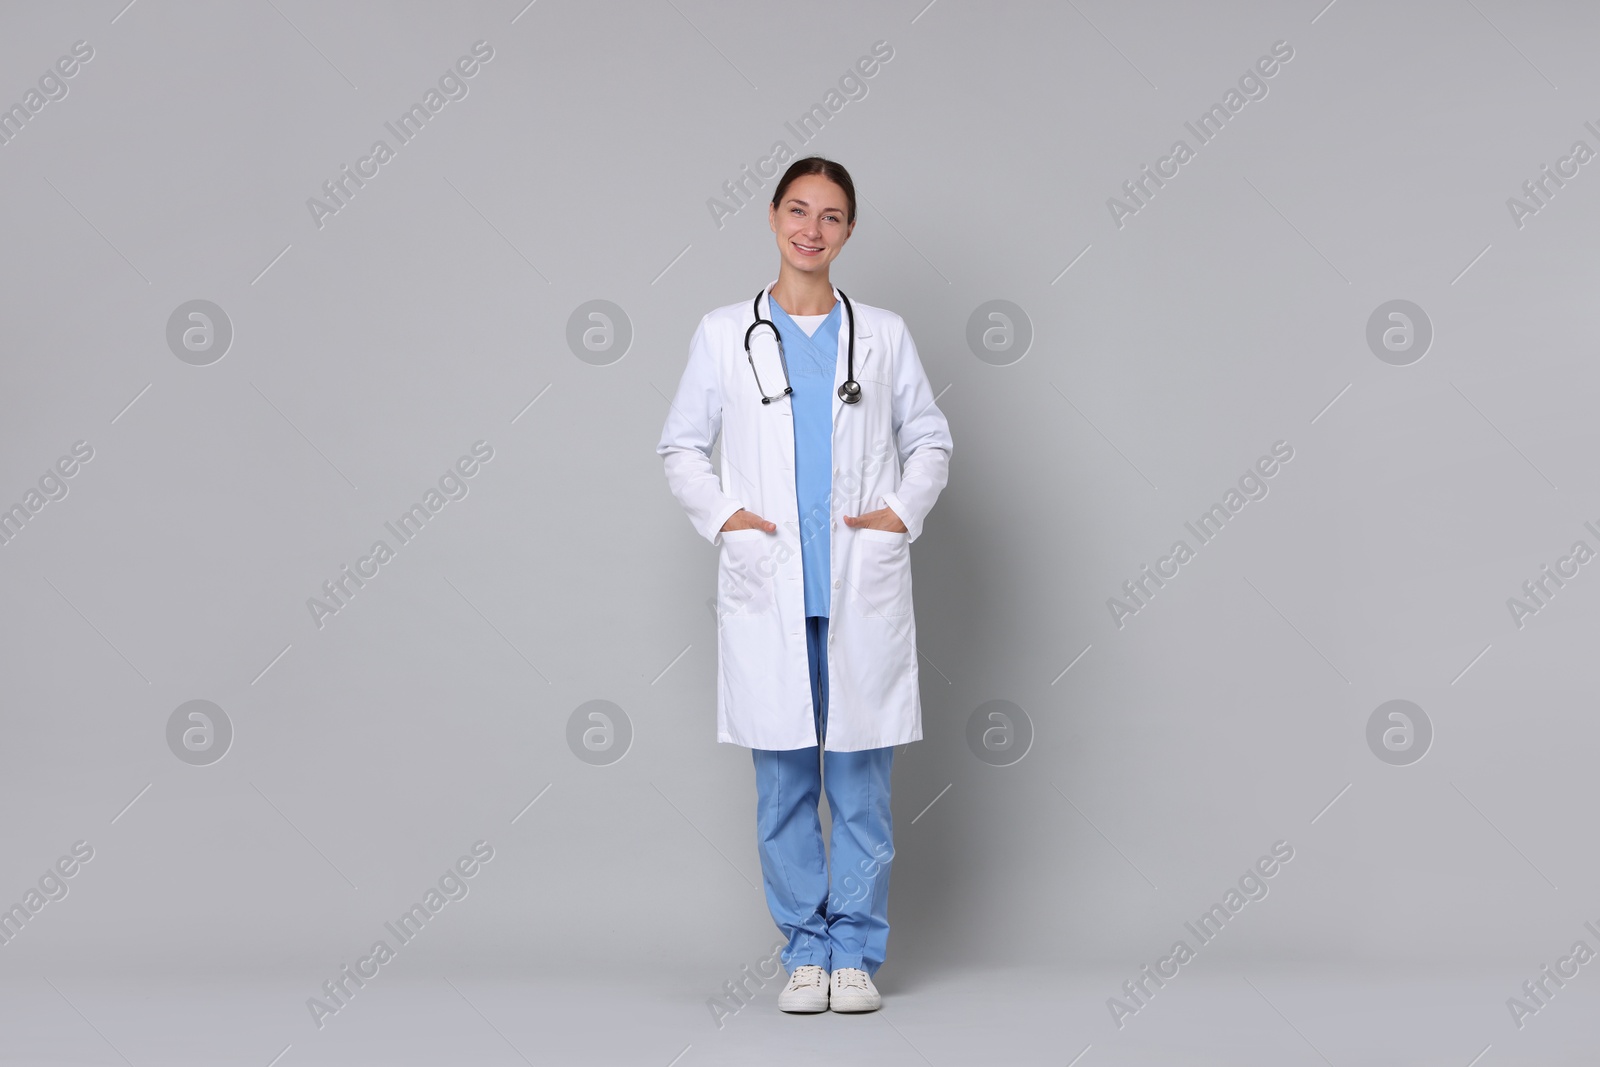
column 830, row 170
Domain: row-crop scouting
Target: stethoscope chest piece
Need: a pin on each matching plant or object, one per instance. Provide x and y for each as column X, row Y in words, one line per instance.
column 850, row 391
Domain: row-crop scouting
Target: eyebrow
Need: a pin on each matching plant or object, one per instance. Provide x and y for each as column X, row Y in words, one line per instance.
column 802, row 203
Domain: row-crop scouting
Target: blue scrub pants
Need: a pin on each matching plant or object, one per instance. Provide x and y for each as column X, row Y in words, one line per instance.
column 836, row 917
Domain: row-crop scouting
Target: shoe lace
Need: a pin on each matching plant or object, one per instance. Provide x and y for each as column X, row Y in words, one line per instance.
column 851, row 978
column 809, row 974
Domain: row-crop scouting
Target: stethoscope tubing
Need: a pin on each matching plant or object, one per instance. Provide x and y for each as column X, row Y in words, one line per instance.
column 849, row 392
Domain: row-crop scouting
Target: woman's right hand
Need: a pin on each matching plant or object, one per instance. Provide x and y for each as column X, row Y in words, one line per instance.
column 748, row 520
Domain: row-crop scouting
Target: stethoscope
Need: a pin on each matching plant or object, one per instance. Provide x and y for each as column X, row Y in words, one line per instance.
column 849, row 392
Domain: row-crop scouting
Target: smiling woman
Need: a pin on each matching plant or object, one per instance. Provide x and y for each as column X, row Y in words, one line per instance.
column 831, row 420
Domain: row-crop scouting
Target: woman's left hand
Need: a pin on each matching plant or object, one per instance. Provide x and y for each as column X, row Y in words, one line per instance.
column 882, row 519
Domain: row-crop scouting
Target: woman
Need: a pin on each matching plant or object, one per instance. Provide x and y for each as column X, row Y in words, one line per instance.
column 825, row 414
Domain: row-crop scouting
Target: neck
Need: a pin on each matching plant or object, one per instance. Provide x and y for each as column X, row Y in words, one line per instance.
column 802, row 294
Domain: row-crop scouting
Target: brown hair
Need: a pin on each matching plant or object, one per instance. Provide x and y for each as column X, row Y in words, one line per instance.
column 830, row 170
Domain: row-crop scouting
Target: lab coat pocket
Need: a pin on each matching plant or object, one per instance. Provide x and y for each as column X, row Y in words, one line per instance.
column 747, row 573
column 881, row 561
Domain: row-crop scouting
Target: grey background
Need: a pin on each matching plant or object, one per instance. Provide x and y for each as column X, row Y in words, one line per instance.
column 431, row 312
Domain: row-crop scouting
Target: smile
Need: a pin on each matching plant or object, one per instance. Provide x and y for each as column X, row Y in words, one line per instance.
column 807, row 250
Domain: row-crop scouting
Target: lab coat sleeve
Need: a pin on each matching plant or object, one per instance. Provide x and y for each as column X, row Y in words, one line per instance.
column 694, row 419
column 922, row 437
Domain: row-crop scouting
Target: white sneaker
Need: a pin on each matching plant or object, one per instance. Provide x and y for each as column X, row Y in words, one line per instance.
column 807, row 990
column 852, row 990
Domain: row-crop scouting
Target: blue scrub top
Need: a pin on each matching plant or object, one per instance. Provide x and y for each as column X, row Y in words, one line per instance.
column 813, row 361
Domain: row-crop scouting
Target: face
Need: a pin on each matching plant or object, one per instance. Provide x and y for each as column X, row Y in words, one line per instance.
column 810, row 223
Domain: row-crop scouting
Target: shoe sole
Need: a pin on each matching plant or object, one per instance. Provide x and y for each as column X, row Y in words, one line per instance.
column 848, row 1007
column 805, row 1007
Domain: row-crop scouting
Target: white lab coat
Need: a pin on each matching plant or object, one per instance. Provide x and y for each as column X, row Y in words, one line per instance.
column 890, row 449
